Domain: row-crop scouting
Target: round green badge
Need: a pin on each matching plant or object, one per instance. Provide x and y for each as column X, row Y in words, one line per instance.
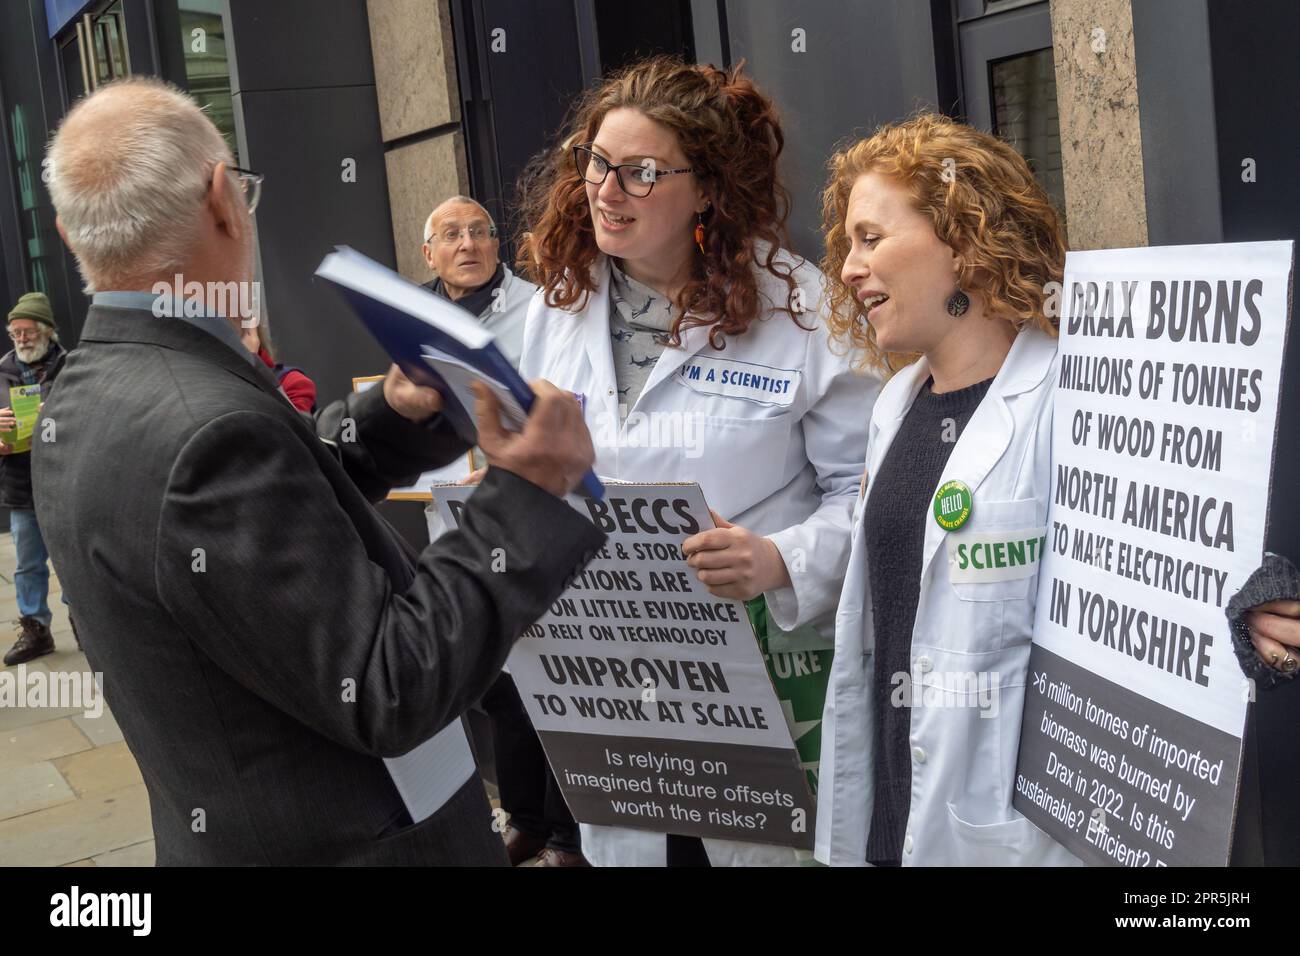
column 952, row 505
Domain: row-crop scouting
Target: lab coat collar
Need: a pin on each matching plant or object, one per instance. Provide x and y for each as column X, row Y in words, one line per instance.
column 694, row 339
column 1025, row 366
column 989, row 432
column 510, row 280
column 600, row 352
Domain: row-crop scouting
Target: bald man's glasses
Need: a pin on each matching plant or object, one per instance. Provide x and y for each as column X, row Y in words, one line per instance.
column 478, row 232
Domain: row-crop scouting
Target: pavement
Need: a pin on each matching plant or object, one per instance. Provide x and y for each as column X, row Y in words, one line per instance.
column 70, row 791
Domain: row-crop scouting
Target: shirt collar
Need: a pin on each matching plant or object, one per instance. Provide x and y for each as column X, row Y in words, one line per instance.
column 637, row 303
column 163, row 306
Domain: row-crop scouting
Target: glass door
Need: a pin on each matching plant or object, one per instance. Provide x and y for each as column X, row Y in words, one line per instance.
column 93, row 51
column 1009, row 76
column 106, row 31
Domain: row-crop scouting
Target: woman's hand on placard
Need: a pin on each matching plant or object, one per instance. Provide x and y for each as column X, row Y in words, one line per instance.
column 733, row 562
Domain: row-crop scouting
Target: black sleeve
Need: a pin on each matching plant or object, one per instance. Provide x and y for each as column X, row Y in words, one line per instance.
column 265, row 572
column 381, row 450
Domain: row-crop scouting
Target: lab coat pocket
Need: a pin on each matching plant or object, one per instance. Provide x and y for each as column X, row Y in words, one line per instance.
column 995, row 557
column 756, row 451
column 1014, row 842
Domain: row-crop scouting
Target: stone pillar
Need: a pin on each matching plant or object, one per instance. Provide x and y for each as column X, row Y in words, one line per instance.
column 1101, row 135
column 419, row 112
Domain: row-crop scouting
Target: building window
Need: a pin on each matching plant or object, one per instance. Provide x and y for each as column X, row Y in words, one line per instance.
column 207, row 70
column 1025, row 114
column 35, row 218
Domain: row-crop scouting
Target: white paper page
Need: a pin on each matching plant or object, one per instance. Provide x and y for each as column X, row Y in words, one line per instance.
column 458, row 376
column 430, row 775
column 452, row 472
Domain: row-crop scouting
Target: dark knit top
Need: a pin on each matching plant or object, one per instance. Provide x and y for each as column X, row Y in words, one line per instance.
column 900, row 504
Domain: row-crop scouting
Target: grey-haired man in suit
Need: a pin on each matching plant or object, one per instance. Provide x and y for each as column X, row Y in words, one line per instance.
column 264, row 636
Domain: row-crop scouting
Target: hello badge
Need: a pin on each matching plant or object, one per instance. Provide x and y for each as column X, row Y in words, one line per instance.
column 953, row 504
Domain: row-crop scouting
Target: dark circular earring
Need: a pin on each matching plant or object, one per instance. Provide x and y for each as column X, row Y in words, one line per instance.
column 958, row 303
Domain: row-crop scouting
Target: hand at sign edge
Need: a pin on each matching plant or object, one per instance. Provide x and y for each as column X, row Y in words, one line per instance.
column 1275, row 632
column 733, row 562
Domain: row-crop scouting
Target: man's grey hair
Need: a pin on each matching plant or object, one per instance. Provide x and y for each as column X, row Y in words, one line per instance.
column 129, row 168
column 454, row 200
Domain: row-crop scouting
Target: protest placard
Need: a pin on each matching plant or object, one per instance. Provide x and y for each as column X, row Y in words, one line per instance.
column 649, row 694
column 1162, row 444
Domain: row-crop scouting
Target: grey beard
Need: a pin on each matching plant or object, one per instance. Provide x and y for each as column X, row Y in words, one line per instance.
column 32, row 353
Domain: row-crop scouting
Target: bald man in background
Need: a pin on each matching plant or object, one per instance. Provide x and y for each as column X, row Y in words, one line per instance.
column 462, row 249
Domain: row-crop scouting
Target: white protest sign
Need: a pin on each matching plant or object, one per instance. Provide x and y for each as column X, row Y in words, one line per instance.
column 1162, row 445
column 650, row 695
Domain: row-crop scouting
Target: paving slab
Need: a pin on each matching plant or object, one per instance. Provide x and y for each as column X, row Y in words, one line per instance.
column 32, row 787
column 100, row 770
column 141, row 854
column 78, row 830
column 101, row 730
column 43, row 741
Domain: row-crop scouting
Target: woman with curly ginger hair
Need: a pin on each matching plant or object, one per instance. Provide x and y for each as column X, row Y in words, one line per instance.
column 945, row 248
column 699, row 347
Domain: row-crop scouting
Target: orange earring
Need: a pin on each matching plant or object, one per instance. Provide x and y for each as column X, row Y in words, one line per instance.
column 699, row 231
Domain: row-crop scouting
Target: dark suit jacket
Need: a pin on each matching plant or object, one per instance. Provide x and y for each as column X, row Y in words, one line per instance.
column 264, row 636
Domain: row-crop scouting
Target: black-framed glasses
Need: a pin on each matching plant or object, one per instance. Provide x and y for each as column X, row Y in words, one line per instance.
column 250, row 184
column 642, row 176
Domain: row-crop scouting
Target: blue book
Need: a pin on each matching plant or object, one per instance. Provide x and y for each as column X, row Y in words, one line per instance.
column 435, row 343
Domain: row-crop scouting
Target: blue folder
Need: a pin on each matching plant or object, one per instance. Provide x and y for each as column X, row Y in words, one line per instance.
column 411, row 323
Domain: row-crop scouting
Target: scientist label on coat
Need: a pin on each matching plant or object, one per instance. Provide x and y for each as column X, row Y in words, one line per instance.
column 746, row 380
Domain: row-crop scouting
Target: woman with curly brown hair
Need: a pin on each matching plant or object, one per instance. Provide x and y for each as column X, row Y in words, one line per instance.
column 699, row 346
column 944, row 248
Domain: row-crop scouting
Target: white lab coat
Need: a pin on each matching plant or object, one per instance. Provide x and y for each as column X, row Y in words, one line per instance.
column 504, row 316
column 963, row 764
column 780, row 453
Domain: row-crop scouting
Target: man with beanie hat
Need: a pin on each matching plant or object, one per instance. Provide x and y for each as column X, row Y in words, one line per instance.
column 35, row 359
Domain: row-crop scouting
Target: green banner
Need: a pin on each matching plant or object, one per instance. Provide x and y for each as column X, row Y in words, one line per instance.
column 800, row 678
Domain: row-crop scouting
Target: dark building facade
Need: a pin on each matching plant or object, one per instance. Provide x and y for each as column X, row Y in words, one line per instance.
column 1137, row 115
